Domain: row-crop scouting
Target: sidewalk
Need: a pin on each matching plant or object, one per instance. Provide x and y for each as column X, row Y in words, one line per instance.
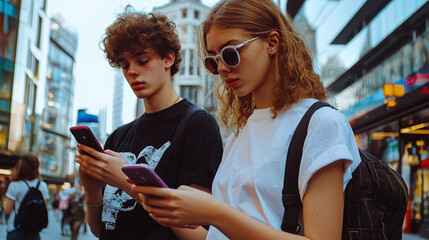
column 407, row 236
column 53, row 231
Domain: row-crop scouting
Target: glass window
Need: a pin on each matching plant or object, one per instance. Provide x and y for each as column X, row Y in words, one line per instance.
column 196, row 14
column 191, row 62
column 183, row 63
column 184, row 15
column 53, row 159
column 415, row 138
column 39, row 33
column 183, row 33
column 384, row 143
column 6, row 85
column 189, row 92
column 8, row 36
column 4, row 131
column 43, row 6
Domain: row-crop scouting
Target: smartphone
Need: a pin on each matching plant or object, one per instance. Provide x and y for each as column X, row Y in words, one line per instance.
column 142, row 174
column 84, row 135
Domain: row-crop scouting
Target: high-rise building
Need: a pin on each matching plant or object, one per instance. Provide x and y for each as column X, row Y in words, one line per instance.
column 24, row 41
column 57, row 115
column 366, row 49
column 192, row 81
column 36, row 87
column 118, row 99
column 9, row 22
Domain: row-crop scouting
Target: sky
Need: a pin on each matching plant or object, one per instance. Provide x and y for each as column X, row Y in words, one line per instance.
column 94, row 76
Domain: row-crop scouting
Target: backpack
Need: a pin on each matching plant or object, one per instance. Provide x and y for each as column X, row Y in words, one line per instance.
column 76, row 209
column 375, row 199
column 32, row 214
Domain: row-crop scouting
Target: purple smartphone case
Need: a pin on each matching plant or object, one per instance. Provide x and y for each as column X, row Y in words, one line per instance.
column 141, row 174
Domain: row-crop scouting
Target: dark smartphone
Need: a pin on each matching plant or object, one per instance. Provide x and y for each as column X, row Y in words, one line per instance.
column 84, row 135
column 142, row 174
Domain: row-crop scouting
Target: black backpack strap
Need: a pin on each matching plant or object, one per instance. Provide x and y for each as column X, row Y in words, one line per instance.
column 291, row 199
column 180, row 130
column 176, row 153
column 26, row 184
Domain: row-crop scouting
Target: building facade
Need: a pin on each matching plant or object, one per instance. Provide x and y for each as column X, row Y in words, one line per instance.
column 118, row 100
column 57, row 115
column 9, row 22
column 36, row 87
column 192, row 81
column 362, row 45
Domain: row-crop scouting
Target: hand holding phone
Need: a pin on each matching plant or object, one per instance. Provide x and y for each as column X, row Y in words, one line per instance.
column 142, row 174
column 84, row 135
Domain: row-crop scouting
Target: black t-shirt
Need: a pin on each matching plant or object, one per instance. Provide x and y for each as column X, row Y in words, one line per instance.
column 148, row 140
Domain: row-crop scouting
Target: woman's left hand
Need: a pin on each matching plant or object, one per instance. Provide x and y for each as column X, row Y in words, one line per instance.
column 182, row 207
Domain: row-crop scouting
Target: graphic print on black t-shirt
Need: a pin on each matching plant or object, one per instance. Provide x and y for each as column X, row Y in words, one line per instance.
column 115, row 199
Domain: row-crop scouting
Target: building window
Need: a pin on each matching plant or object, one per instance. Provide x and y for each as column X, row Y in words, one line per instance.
column 29, row 134
column 189, row 92
column 184, row 15
column 183, row 63
column 6, row 88
column 33, row 64
column 43, row 6
column 196, row 14
column 183, row 33
column 39, row 33
column 191, row 62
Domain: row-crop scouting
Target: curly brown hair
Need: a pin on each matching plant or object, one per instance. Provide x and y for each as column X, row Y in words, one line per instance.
column 295, row 77
column 134, row 32
column 27, row 168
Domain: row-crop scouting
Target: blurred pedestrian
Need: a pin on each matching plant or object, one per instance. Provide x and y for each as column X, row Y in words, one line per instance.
column 55, row 205
column 76, row 212
column 64, row 206
column 3, row 217
column 24, row 175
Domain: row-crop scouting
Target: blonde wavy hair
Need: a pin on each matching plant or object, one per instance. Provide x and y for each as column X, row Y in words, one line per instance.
column 295, row 77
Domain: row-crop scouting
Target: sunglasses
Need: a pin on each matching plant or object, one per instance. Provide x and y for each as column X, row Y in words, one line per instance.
column 229, row 55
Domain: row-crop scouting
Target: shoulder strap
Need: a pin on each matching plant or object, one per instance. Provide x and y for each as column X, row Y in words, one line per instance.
column 176, row 153
column 26, row 183
column 180, row 130
column 291, row 199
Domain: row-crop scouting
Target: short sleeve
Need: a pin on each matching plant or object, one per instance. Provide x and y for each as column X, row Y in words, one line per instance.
column 329, row 139
column 45, row 191
column 202, row 151
column 11, row 191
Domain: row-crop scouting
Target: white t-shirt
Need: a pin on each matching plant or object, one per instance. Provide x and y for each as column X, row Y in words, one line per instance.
column 250, row 176
column 17, row 190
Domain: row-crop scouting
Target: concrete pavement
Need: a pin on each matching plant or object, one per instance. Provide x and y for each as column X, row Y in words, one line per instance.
column 53, row 231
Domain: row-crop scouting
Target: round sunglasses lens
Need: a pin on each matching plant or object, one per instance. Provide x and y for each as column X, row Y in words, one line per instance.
column 211, row 65
column 230, row 56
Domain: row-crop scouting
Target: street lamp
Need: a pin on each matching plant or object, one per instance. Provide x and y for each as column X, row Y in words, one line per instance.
column 391, row 92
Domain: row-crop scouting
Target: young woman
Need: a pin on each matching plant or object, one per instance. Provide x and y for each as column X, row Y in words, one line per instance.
column 267, row 84
column 24, row 175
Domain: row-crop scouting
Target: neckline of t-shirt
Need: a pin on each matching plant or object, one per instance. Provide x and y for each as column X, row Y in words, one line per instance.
column 171, row 109
column 263, row 112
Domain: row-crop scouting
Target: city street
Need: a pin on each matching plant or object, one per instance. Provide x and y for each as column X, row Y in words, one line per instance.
column 53, row 231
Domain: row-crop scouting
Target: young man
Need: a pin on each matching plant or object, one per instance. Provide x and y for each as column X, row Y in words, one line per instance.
column 147, row 49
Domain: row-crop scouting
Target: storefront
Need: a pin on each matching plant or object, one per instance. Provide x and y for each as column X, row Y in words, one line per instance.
column 399, row 136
